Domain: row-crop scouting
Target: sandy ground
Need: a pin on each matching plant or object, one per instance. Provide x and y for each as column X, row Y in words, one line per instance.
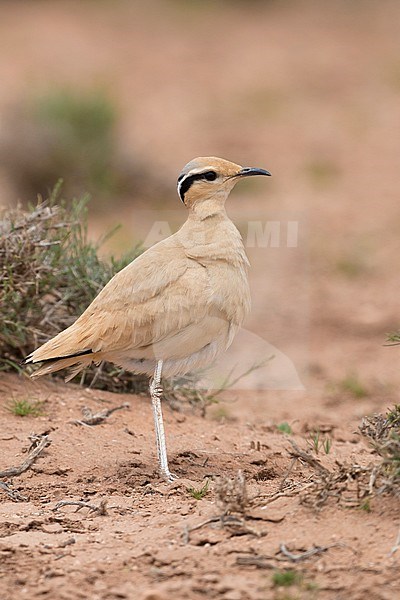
column 312, row 94
column 143, row 547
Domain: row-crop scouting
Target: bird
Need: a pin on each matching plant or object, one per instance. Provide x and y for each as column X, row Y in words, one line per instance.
column 177, row 306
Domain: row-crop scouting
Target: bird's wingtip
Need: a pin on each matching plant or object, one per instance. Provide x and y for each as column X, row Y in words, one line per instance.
column 27, row 360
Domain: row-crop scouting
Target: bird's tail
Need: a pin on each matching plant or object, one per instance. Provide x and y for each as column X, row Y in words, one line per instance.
column 61, row 352
column 63, row 363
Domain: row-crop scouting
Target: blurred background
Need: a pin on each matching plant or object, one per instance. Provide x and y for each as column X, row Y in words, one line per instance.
column 115, row 97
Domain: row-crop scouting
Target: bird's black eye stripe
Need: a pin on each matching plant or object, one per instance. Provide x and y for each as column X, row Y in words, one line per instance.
column 184, row 184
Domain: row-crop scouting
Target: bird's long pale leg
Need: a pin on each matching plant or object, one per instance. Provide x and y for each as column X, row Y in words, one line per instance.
column 156, row 392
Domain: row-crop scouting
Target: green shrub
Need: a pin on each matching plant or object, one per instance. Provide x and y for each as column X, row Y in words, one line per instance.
column 49, row 274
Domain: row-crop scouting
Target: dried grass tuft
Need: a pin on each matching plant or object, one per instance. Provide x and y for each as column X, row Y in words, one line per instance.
column 354, row 485
column 383, row 431
column 49, row 274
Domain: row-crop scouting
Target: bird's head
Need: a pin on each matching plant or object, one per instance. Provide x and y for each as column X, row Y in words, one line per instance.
column 211, row 178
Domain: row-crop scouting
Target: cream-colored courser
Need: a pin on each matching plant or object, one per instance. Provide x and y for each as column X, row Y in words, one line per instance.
column 175, row 307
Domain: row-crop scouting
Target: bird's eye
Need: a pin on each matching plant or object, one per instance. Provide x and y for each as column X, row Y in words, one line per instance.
column 210, row 175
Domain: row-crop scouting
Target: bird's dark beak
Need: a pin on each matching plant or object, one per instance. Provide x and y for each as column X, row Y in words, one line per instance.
column 250, row 171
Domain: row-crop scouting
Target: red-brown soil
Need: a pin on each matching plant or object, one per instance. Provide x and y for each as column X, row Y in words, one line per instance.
column 310, row 91
column 139, row 549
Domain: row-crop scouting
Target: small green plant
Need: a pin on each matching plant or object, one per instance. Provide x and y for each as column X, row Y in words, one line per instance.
column 82, row 125
column 311, row 586
column 351, row 266
column 355, row 260
column 286, row 578
column 284, row 427
column 198, row 494
column 220, row 413
column 393, row 416
column 49, row 273
column 322, row 173
column 327, row 445
column 314, row 441
column 352, row 384
column 393, row 338
column 318, row 442
column 25, row 408
column 366, row 505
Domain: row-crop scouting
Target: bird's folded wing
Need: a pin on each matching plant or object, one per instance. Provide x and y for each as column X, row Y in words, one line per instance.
column 157, row 295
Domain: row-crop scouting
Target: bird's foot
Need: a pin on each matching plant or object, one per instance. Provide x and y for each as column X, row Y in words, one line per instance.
column 168, row 476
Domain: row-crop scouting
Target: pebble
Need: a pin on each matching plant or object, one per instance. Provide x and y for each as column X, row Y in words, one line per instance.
column 154, row 595
column 52, row 528
column 233, row 595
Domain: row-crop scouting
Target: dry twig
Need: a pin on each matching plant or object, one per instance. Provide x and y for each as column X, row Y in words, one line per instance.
column 100, row 510
column 13, row 494
column 234, row 524
column 269, row 562
column 307, row 457
column 91, row 418
column 304, row 555
column 28, row 462
column 188, row 530
column 36, row 452
column 383, row 432
column 256, row 560
column 232, row 498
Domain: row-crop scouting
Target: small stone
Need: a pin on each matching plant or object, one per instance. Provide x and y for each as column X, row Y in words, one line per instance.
column 258, row 514
column 185, row 509
column 52, row 528
column 210, row 537
column 211, row 577
column 258, row 458
column 153, row 595
column 67, row 542
column 233, row 595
